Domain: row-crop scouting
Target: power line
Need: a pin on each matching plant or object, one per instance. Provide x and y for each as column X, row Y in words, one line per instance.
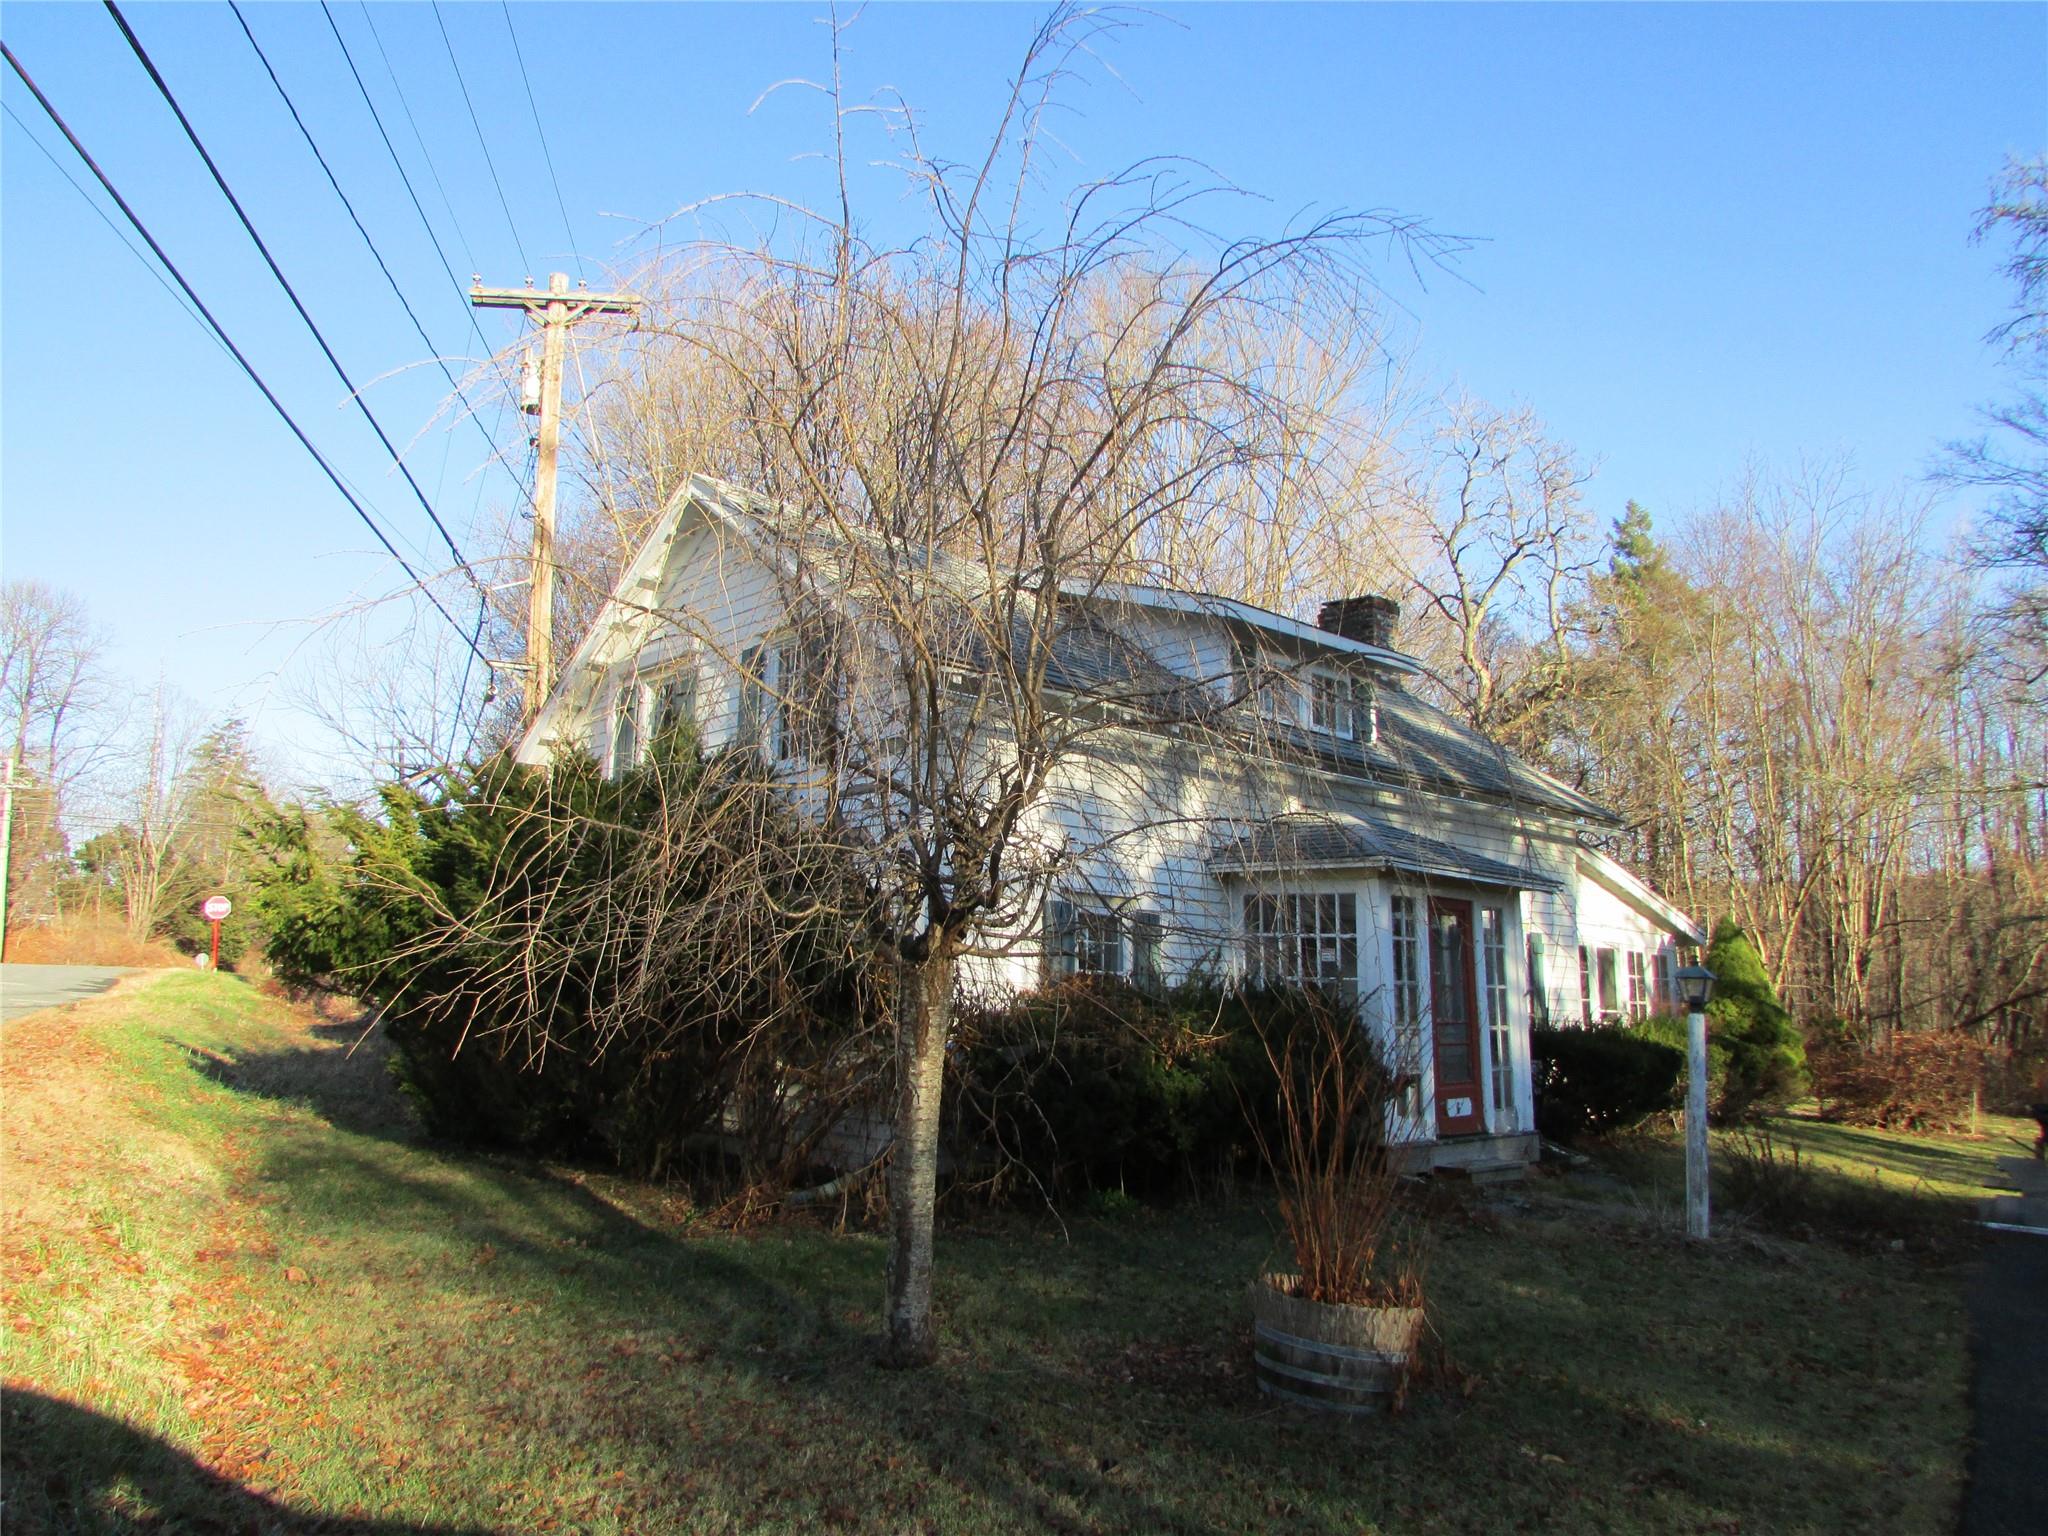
column 164, row 90
column 399, row 165
column 463, row 85
column 354, row 218
column 228, row 341
column 433, row 171
column 541, row 134
column 86, row 197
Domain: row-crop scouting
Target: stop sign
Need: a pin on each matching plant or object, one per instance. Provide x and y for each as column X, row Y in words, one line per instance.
column 216, row 908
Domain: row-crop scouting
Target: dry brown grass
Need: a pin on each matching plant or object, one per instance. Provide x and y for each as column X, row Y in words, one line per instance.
column 85, row 940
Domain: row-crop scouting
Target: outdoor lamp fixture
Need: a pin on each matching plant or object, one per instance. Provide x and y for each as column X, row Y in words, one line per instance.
column 1696, row 985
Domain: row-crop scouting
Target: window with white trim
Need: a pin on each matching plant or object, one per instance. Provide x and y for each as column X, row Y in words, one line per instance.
column 675, row 701
column 1667, row 979
column 1272, row 690
column 785, row 681
column 1301, row 938
column 1638, row 986
column 1585, row 986
column 1082, row 941
column 626, row 708
column 1493, row 984
column 753, row 699
column 1607, row 964
column 1408, row 1005
column 1341, row 705
column 1539, row 984
column 1329, row 704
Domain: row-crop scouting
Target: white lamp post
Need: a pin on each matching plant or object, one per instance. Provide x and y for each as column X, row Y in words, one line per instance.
column 1696, row 985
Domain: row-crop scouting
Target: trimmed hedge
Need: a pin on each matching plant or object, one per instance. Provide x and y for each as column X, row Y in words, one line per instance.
column 1094, row 1085
column 1590, row 1082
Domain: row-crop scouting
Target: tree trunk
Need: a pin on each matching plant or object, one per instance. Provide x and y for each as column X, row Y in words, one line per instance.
column 924, row 1011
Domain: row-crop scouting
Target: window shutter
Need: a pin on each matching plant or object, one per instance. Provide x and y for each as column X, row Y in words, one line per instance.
column 1148, row 934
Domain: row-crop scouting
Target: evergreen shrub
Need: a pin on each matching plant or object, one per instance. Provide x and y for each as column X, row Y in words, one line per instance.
column 1590, row 1082
column 1091, row 1084
column 580, row 966
column 1756, row 1060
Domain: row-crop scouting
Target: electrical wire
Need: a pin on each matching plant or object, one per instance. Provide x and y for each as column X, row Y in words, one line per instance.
column 541, row 134
column 399, row 165
column 147, row 265
column 220, row 181
column 228, row 341
column 510, row 223
column 356, row 219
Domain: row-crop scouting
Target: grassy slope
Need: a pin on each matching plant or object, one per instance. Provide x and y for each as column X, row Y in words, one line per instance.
column 360, row 1326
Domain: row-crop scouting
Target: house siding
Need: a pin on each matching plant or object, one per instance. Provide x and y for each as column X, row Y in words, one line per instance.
column 1138, row 814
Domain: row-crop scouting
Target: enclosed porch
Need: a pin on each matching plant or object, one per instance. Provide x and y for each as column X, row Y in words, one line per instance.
column 1427, row 939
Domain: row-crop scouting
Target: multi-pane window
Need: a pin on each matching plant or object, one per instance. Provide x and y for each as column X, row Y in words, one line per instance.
column 1609, row 974
column 784, row 688
column 753, row 698
column 1638, row 986
column 1082, row 941
column 1539, row 984
column 1667, row 979
column 1301, row 938
column 1275, row 692
column 1585, row 986
column 1340, row 706
column 1493, row 984
column 1329, row 704
column 675, row 702
column 1408, row 1004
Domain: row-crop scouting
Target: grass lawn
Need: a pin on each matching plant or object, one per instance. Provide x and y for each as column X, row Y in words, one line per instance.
column 238, row 1295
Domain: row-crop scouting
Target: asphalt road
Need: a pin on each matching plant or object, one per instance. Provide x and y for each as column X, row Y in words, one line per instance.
column 2008, row 1300
column 25, row 988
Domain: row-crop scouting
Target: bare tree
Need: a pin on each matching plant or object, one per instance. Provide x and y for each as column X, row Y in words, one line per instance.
column 148, row 806
column 52, row 691
column 961, row 443
column 1493, row 545
column 2010, row 461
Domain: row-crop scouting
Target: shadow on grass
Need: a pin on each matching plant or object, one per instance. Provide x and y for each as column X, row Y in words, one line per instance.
column 526, row 1332
column 346, row 1080
column 1622, row 1376
column 1909, row 1159
column 70, row 1470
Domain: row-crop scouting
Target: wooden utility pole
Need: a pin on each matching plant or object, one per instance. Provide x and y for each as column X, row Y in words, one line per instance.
column 555, row 311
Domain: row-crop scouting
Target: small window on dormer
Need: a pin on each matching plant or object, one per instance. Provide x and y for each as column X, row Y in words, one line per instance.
column 1329, row 705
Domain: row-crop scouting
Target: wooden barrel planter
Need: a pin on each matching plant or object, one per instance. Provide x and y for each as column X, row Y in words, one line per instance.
column 1329, row 1355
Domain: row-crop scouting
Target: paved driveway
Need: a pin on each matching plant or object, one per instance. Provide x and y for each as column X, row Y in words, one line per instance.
column 2009, row 1339
column 25, row 988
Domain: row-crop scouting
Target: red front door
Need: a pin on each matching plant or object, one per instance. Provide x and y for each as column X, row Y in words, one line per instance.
column 1454, row 1018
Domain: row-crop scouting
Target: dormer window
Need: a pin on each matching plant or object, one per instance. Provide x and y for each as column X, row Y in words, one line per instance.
column 1329, row 704
column 1342, row 706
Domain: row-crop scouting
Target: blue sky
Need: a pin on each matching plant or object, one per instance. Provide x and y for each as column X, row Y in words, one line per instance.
column 1704, row 234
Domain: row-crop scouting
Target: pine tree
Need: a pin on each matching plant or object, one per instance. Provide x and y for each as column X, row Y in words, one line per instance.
column 1766, row 1057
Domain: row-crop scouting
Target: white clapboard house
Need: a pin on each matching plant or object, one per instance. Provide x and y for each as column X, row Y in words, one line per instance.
column 1341, row 830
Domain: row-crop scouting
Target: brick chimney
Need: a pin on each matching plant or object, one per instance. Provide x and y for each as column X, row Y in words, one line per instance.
column 1369, row 618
